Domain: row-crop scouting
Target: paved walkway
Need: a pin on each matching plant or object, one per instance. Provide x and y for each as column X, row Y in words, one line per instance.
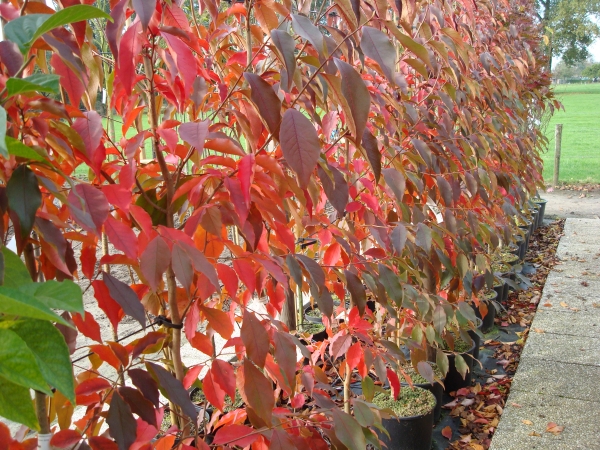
column 558, row 379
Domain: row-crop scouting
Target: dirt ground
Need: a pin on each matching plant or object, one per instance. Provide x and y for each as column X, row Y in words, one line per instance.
column 573, row 203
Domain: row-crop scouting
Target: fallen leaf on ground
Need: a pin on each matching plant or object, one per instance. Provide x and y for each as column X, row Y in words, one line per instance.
column 527, row 422
column 554, row 428
column 548, row 305
column 516, row 405
column 538, row 330
column 447, row 433
column 564, row 305
column 533, row 433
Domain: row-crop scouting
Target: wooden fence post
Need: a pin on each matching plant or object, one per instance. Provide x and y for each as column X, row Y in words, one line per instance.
column 557, row 143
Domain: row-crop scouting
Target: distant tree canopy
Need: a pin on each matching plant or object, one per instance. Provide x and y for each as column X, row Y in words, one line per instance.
column 570, row 28
column 592, row 71
column 563, row 71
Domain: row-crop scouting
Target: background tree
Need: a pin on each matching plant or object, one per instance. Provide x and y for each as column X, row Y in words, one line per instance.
column 570, row 28
column 592, row 71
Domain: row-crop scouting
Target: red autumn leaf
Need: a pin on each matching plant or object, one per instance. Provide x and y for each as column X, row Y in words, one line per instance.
column 340, row 344
column 88, row 205
column 87, row 326
column 255, row 338
column 107, row 355
column 88, row 260
column 65, row 438
column 154, row 261
column 224, row 376
column 245, row 174
column 394, row 382
column 266, row 100
column 68, row 79
column 300, row 144
column 113, row 311
column 213, row 392
column 256, row 390
column 202, row 342
column 191, row 376
column 229, row 278
column 102, row 443
column 218, row 320
column 90, row 129
column 129, row 48
column 121, row 236
column 184, row 60
column 353, row 355
column 238, row 435
column 194, row 133
column 245, row 271
column 91, row 386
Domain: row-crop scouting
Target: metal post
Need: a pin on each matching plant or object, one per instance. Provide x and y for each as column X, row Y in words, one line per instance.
column 557, row 142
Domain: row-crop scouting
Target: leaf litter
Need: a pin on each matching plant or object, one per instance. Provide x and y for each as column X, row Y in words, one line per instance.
column 474, row 412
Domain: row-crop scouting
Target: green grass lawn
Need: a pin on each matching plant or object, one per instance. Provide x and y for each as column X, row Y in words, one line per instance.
column 580, row 154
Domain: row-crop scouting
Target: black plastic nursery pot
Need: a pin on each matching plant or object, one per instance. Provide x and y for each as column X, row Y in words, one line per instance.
column 488, row 319
column 312, row 319
column 318, row 336
column 408, row 433
column 454, row 380
column 476, row 338
column 527, row 230
column 542, row 204
column 534, row 218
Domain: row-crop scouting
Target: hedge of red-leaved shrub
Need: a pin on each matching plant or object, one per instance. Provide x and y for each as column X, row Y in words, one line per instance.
column 359, row 150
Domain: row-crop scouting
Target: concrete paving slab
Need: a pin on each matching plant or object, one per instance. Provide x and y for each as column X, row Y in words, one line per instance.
column 581, row 431
column 558, row 379
column 571, row 226
column 585, row 250
column 562, row 348
column 584, row 323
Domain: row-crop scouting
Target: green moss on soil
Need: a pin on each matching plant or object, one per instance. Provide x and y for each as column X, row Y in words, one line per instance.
column 460, row 346
column 312, row 328
column 487, row 295
column 198, row 398
column 314, row 312
column 416, row 376
column 411, row 402
column 500, row 267
column 505, row 257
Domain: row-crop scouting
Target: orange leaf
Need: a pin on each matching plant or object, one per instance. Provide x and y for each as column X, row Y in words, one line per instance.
column 447, row 432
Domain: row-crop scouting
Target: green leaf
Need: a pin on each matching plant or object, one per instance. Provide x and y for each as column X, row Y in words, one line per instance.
column 423, row 239
column 18, row 363
column 363, row 413
column 368, row 388
column 441, row 359
column 24, row 30
column 3, row 149
column 17, row 148
column 17, row 303
column 16, row 404
column 461, row 365
column 439, row 319
column 39, row 82
column 348, row 430
column 51, row 353
column 24, row 197
column 64, row 295
column 15, row 272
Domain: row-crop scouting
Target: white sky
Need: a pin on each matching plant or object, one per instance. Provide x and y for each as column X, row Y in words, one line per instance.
column 595, row 50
